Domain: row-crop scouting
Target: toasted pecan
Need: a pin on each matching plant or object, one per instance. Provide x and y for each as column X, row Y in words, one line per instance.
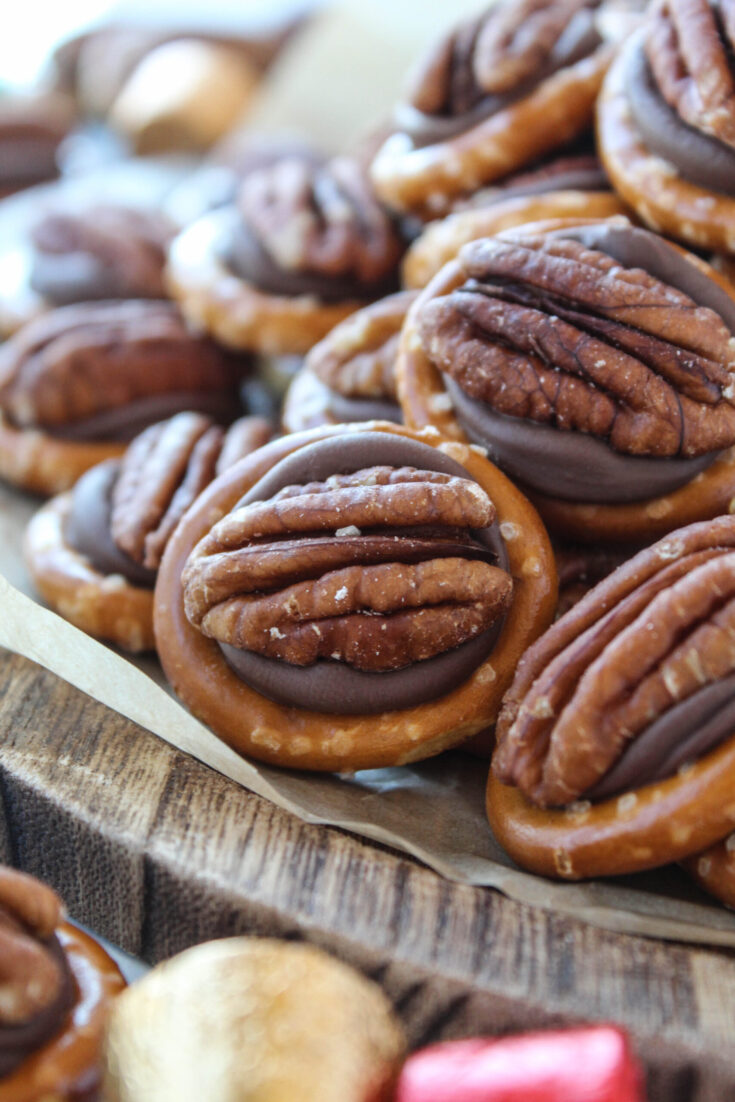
column 549, row 330
column 321, row 218
column 357, row 359
column 377, row 569
column 494, row 54
column 164, row 469
column 648, row 637
column 690, row 47
column 78, row 361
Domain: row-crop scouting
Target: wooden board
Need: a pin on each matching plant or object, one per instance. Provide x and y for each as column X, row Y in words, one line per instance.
column 157, row 852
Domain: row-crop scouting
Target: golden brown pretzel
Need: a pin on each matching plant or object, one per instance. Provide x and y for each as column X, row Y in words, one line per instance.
column 661, row 198
column 308, row 740
column 109, row 608
column 441, row 241
column 68, row 1064
column 425, row 402
column 426, row 180
column 551, row 748
column 45, row 464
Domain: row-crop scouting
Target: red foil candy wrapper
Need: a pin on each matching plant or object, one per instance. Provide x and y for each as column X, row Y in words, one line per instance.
column 576, row 1065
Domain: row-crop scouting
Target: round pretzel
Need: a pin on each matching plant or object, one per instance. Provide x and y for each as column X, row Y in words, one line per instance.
column 425, row 180
column 298, row 738
column 69, row 1063
column 107, row 607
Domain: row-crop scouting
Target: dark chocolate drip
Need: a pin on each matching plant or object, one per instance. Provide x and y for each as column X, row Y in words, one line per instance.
column 18, row 1042
column 335, row 687
column 87, row 527
column 699, row 158
column 576, row 466
column 579, row 40
column 243, row 253
column 124, row 422
column 681, row 736
column 572, row 466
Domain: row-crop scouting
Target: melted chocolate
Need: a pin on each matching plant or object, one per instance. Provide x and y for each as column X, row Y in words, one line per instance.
column 572, row 466
column 681, row 736
column 87, row 527
column 578, row 41
column 699, row 158
column 247, row 258
column 18, row 1042
column 575, row 466
column 335, row 687
column 124, row 422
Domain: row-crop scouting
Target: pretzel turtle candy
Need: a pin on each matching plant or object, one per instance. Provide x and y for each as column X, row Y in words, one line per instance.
column 93, row 552
column 58, row 985
column 350, row 375
column 548, row 344
column 321, row 594
column 494, row 96
column 615, row 745
column 306, row 244
column 77, row 383
column 666, row 123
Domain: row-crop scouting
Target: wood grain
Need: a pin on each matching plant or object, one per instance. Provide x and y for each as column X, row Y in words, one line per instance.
column 157, row 852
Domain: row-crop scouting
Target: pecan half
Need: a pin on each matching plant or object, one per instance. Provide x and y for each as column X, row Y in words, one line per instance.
column 647, row 638
column 549, row 330
column 103, row 252
column 79, row 361
column 377, row 569
column 690, row 46
column 357, row 359
column 321, row 218
column 30, row 977
column 499, row 52
column 162, row 472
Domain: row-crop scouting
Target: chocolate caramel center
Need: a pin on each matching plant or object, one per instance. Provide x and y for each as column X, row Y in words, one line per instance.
column 701, row 159
column 683, row 735
column 88, row 531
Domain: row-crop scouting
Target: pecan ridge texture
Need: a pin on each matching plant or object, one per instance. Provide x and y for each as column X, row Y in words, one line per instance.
column 164, row 470
column 321, row 218
column 548, row 330
column 376, row 569
column 357, row 358
column 647, row 638
column 130, row 244
column 495, row 54
column 690, row 47
column 77, row 361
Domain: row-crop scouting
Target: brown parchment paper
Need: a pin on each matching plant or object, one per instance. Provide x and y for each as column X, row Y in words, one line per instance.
column 434, row 810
